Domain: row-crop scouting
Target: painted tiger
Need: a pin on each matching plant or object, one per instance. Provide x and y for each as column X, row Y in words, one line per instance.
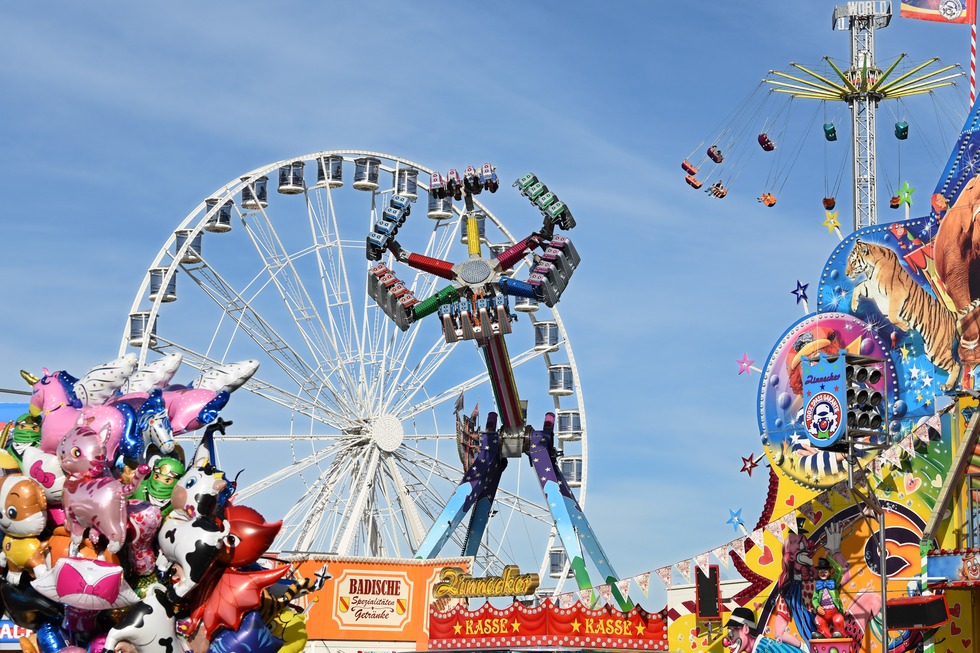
column 905, row 303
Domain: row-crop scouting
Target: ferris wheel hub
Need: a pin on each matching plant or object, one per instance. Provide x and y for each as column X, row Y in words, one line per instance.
column 387, row 432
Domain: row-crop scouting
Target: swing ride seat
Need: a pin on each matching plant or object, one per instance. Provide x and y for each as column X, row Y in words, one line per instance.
column 766, row 143
column 830, row 132
column 768, row 199
column 894, row 202
column 829, row 203
column 692, row 182
column 715, row 154
column 901, row 130
column 717, row 190
column 688, row 168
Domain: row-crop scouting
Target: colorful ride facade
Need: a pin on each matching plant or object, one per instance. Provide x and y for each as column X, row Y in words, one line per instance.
column 895, row 513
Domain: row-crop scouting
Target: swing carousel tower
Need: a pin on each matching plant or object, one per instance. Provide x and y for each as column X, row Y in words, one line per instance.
column 862, row 86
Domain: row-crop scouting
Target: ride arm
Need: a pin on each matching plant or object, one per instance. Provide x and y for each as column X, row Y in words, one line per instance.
column 510, row 257
column 428, row 264
column 431, row 305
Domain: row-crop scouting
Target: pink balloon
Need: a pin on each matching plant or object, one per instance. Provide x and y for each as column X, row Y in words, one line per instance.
column 92, row 497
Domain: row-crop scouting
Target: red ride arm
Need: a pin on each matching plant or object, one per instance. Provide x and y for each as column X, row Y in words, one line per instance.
column 431, row 265
column 509, row 257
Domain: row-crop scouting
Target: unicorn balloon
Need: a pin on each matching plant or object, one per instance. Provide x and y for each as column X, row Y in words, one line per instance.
column 63, row 402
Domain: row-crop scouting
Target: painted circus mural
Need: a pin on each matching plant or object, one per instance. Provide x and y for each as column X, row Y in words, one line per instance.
column 904, row 296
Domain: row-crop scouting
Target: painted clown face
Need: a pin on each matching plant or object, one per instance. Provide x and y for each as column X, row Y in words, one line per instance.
column 824, row 418
column 738, row 639
column 971, row 567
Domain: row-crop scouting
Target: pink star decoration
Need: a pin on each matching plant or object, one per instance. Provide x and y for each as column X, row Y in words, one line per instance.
column 745, row 364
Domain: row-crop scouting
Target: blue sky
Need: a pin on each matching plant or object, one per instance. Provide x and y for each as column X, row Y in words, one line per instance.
column 118, row 118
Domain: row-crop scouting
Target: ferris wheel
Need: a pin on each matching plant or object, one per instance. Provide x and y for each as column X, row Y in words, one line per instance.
column 352, row 422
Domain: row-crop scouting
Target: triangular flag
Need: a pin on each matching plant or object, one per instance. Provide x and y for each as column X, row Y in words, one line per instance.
column 892, row 456
column 566, row 600
column 722, row 554
column 907, row 445
column 684, row 569
column 701, row 560
column 921, row 432
column 840, row 487
column 824, row 500
column 776, row 530
column 605, row 591
column 807, row 510
column 875, row 467
column 860, row 477
column 789, row 521
column 623, row 586
column 585, row 597
column 757, row 537
column 738, row 546
column 643, row 581
column 665, row 575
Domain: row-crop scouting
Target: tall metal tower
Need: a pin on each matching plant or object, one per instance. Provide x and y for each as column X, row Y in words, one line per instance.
column 862, row 86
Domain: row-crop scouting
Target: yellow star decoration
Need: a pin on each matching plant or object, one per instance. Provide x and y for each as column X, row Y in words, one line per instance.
column 516, row 626
column 831, row 222
column 905, row 352
column 576, row 625
column 458, row 628
column 640, row 628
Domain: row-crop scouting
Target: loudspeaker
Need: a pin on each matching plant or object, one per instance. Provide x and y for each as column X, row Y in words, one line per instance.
column 707, row 600
column 917, row 612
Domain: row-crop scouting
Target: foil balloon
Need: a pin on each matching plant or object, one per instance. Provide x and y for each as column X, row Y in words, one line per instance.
column 290, row 626
column 147, row 627
column 44, row 468
column 87, row 584
column 251, row 536
column 253, row 636
column 23, row 516
column 51, row 639
column 93, row 498
column 22, row 434
column 26, row 607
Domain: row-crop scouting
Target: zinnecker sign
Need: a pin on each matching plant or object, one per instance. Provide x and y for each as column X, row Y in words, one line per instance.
column 456, row 583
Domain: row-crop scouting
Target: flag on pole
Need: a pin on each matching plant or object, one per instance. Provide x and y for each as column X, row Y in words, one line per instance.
column 458, row 407
column 943, row 11
column 475, row 416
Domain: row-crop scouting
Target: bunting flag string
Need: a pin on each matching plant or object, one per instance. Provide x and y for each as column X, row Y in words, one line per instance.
column 891, row 456
column 807, row 510
column 824, row 500
column 701, row 560
column 875, row 467
column 643, row 581
column 623, row 586
column 665, row 575
column 566, row 600
column 789, row 521
column 721, row 553
column 840, row 487
column 908, row 445
column 757, row 537
column 738, row 546
column 775, row 529
column 684, row 569
column 585, row 597
column 605, row 591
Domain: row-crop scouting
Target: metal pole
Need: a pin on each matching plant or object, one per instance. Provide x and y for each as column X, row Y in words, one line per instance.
column 883, row 553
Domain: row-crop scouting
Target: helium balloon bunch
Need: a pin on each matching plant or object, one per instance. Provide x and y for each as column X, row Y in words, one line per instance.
column 114, row 541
